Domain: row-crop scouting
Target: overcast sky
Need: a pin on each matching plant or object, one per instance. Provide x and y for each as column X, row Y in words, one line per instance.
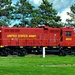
column 62, row 6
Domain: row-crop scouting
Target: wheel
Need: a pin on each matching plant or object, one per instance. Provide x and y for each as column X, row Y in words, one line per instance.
column 4, row 53
column 22, row 52
column 15, row 52
column 73, row 53
column 62, row 53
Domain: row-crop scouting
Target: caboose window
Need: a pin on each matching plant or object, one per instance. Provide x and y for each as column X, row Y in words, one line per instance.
column 68, row 33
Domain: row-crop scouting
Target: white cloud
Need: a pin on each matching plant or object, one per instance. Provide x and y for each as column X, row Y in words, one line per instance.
column 64, row 15
column 35, row 2
column 59, row 5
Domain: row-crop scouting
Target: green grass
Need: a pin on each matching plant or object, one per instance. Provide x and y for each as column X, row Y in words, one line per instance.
column 36, row 65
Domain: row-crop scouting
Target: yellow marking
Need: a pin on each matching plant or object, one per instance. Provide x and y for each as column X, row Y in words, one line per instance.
column 1, row 46
column 69, row 47
column 34, row 47
column 46, row 47
column 54, row 46
column 21, row 46
column 12, row 35
column 21, row 36
column 32, row 35
column 69, row 39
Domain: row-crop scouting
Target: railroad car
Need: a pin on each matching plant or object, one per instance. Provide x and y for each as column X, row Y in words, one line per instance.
column 20, row 41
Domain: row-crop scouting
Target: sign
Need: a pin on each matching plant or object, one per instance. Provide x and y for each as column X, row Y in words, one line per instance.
column 21, row 36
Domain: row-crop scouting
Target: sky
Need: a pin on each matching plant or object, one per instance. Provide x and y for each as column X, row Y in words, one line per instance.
column 62, row 6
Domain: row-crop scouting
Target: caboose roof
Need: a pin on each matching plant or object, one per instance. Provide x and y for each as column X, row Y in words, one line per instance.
column 67, row 29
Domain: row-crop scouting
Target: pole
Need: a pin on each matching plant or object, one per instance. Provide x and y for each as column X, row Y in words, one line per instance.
column 43, row 52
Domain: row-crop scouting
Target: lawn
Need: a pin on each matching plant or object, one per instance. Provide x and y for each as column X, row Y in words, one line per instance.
column 36, row 65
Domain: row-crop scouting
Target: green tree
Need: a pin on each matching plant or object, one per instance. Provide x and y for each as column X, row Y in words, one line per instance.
column 6, row 10
column 35, row 18
column 23, row 10
column 46, row 15
column 3, row 23
column 71, row 21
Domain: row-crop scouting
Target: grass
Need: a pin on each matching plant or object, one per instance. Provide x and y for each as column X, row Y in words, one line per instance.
column 36, row 65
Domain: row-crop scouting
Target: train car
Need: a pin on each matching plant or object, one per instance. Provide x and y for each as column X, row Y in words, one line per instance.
column 67, row 42
column 20, row 41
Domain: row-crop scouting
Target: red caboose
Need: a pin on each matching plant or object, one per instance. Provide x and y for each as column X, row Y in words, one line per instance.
column 67, row 42
column 67, row 37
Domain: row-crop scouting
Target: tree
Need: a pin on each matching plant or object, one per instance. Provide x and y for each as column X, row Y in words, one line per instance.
column 3, row 23
column 5, row 11
column 23, row 10
column 72, row 15
column 46, row 15
column 35, row 18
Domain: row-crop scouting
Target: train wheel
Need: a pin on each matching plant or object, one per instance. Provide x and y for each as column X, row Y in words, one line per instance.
column 4, row 53
column 62, row 53
column 22, row 52
column 14, row 52
column 73, row 53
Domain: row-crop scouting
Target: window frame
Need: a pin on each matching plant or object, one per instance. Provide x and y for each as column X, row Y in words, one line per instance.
column 68, row 33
